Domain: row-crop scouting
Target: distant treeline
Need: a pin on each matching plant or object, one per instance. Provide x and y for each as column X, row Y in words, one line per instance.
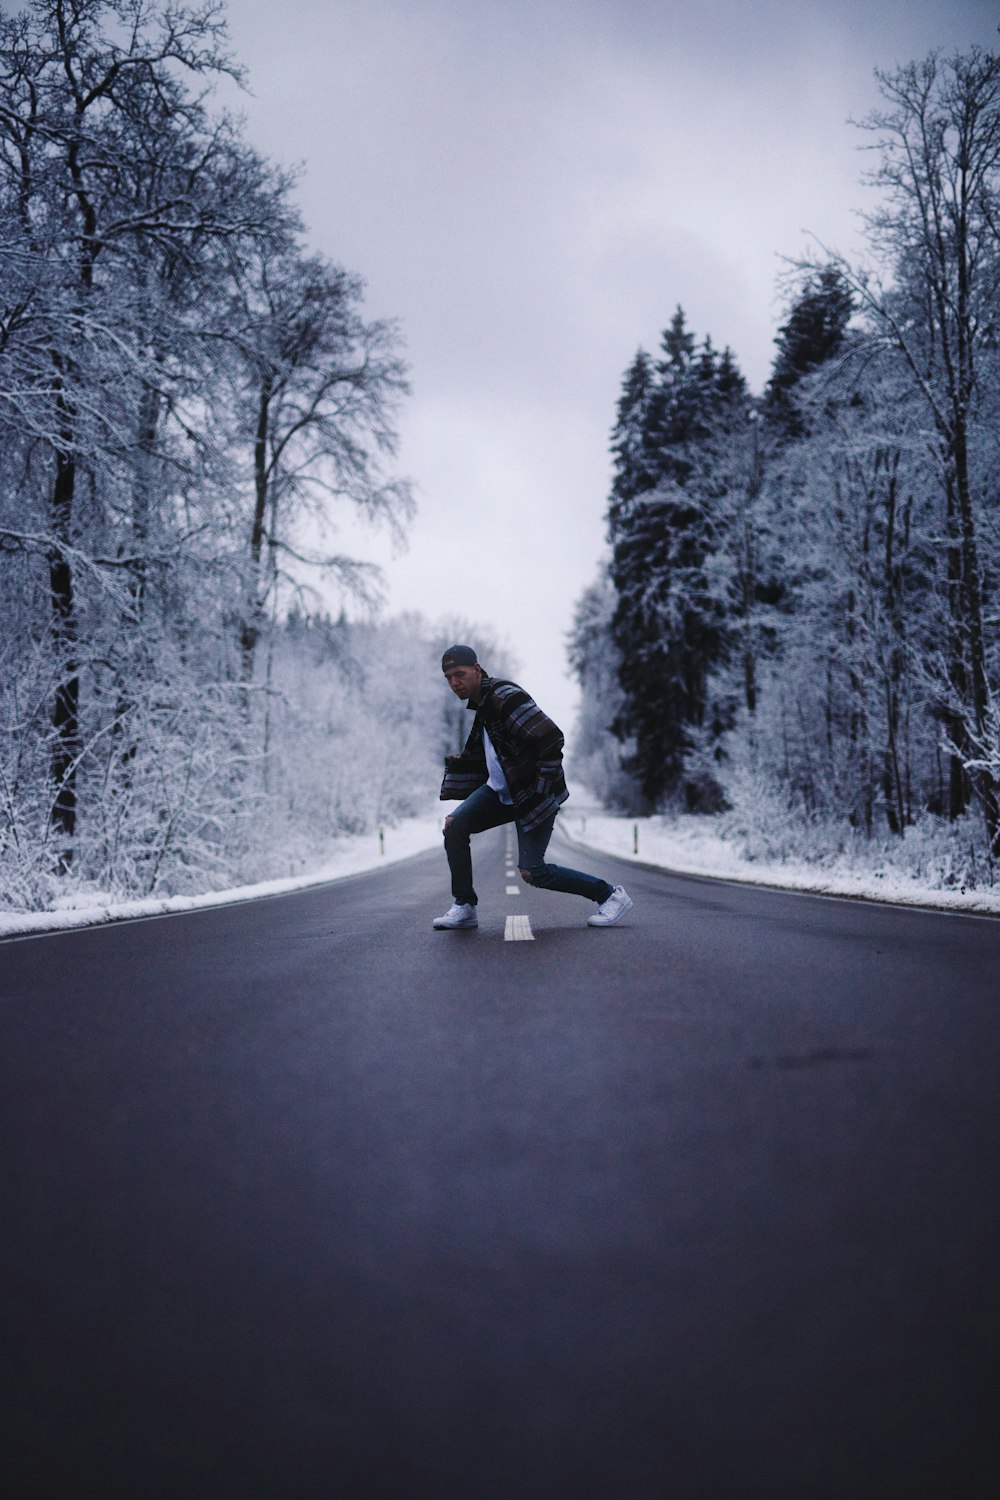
column 801, row 601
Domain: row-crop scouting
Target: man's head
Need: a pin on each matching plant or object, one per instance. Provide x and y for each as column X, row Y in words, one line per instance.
column 462, row 671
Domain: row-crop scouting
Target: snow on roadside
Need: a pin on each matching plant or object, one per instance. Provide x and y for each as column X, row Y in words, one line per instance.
column 688, row 845
column 355, row 854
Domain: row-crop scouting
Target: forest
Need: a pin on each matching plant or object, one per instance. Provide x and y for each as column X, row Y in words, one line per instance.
column 796, row 623
column 189, row 398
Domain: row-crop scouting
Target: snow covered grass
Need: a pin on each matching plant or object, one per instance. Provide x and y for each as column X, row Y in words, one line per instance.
column 353, row 854
column 923, row 869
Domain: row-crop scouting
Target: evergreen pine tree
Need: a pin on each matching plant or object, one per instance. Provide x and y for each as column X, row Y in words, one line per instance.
column 664, row 519
column 633, row 467
column 813, row 332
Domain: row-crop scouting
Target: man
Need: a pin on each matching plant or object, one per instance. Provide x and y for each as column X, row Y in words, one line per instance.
column 510, row 771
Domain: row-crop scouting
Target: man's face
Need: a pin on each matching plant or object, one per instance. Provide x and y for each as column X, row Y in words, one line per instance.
column 464, row 681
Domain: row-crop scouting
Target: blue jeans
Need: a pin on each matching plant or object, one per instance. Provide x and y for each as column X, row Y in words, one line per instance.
column 485, row 810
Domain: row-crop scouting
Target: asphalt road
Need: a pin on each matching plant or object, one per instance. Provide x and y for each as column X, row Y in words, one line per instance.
column 302, row 1198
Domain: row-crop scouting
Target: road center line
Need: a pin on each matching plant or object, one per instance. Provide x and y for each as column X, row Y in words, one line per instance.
column 513, row 890
column 518, row 930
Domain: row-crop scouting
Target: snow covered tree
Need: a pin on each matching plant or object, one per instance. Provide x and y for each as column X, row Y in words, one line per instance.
column 930, row 302
column 859, row 618
column 666, row 521
column 634, row 470
column 99, row 170
column 134, row 226
column 319, row 391
column 807, row 587
column 812, row 334
column 597, row 753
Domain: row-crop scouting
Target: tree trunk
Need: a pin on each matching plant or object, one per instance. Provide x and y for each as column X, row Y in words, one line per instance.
column 958, row 780
column 892, row 780
column 748, row 569
column 66, row 742
column 251, row 627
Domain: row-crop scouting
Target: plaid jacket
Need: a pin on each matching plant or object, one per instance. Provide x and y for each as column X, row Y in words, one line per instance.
column 528, row 746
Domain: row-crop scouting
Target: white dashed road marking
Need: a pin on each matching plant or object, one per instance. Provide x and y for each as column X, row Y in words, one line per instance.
column 513, row 890
column 518, row 930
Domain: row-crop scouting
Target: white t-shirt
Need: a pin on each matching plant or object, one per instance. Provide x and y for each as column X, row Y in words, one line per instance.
column 497, row 780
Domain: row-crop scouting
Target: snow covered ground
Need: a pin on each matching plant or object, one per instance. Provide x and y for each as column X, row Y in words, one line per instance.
column 689, row 845
column 354, row 854
column 694, row 846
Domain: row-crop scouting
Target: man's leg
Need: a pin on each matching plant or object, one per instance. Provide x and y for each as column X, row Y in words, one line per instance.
column 482, row 810
column 532, row 844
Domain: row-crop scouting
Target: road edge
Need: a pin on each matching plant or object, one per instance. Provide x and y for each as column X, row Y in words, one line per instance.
column 924, row 902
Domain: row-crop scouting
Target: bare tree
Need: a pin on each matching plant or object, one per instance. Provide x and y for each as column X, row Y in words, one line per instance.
column 320, row 387
column 932, row 303
column 93, row 112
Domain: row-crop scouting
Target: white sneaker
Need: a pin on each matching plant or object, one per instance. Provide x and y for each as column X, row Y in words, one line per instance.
column 458, row 916
column 617, row 904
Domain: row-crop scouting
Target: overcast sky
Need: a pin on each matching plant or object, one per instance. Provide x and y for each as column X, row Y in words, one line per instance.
column 530, row 187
